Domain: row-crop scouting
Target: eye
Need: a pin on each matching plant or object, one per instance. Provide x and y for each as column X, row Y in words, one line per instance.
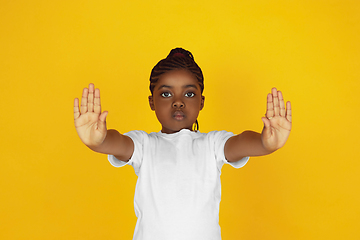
column 166, row 94
column 189, row 94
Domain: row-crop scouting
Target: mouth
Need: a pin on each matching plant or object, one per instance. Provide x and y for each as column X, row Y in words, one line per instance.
column 178, row 115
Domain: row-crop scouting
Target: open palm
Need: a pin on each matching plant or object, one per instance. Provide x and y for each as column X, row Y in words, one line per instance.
column 89, row 121
column 277, row 123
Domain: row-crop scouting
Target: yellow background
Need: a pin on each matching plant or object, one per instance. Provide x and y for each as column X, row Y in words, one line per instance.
column 53, row 187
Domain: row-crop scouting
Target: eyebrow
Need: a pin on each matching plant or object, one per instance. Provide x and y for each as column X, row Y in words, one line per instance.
column 186, row 86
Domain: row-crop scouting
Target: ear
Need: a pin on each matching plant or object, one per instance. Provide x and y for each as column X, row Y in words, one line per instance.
column 202, row 102
column 151, row 103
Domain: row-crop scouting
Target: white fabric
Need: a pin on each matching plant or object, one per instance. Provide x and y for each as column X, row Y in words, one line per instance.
column 178, row 190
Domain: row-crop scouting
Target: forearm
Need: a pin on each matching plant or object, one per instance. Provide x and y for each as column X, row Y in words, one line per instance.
column 248, row 143
column 115, row 144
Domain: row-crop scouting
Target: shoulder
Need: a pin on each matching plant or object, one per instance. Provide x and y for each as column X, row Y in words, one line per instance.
column 137, row 135
column 214, row 139
column 142, row 136
column 219, row 135
column 136, row 132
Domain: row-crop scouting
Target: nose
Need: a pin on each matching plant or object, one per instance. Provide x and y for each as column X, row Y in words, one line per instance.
column 178, row 104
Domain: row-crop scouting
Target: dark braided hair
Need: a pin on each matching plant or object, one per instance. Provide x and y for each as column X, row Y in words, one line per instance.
column 178, row 58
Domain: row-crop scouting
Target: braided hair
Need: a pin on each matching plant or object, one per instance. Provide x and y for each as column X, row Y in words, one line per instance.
column 178, row 58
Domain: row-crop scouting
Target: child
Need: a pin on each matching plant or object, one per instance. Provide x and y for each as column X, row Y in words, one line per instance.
column 178, row 189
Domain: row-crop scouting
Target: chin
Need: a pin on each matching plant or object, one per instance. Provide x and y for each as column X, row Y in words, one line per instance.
column 174, row 130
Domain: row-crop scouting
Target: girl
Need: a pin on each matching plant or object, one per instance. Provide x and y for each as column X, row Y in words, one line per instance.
column 178, row 190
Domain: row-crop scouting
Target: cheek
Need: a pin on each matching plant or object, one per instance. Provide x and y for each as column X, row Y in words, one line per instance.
column 197, row 103
column 160, row 105
column 195, row 106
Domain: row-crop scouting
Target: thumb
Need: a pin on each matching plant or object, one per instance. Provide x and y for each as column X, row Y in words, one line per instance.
column 266, row 133
column 266, row 122
column 102, row 120
column 267, row 130
column 103, row 116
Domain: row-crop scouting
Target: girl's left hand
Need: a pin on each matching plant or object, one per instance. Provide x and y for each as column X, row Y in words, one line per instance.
column 277, row 123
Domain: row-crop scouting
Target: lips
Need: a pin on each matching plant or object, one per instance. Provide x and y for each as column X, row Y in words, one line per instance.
column 178, row 115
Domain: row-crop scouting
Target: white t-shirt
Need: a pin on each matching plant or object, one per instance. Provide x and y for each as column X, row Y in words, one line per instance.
column 178, row 190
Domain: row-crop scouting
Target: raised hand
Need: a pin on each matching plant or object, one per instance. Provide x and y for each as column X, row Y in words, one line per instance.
column 89, row 121
column 277, row 123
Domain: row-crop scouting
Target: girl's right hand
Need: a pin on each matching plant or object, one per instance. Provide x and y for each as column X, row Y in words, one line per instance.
column 89, row 120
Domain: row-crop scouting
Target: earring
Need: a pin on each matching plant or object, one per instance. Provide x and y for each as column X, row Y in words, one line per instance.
column 196, row 128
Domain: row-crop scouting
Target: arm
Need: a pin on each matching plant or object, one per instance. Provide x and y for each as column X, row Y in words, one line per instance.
column 276, row 131
column 121, row 146
column 90, row 124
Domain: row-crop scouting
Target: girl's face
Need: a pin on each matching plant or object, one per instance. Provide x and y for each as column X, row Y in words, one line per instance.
column 177, row 100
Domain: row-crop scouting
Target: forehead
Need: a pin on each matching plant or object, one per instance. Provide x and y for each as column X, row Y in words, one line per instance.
column 177, row 78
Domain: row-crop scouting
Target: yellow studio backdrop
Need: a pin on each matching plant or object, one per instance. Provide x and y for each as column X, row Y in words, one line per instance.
column 53, row 187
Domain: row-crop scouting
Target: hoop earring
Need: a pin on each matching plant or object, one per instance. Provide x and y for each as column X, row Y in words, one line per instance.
column 196, row 128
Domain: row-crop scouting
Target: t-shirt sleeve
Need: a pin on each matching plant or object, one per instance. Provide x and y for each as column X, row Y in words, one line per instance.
column 220, row 139
column 138, row 138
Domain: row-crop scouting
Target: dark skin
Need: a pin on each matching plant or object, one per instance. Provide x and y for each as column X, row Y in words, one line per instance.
column 177, row 101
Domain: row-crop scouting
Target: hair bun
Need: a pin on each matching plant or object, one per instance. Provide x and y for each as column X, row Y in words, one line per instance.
column 178, row 58
column 178, row 55
column 180, row 52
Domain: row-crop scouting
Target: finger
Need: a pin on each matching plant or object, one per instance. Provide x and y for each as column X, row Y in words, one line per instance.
column 76, row 108
column 282, row 104
column 276, row 102
column 288, row 112
column 91, row 98
column 84, row 100
column 97, row 105
column 270, row 106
